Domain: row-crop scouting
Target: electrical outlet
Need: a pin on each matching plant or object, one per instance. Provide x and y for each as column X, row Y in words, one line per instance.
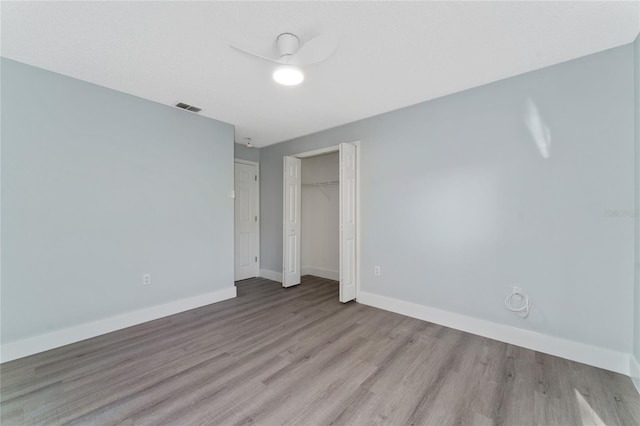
column 376, row 271
column 146, row 279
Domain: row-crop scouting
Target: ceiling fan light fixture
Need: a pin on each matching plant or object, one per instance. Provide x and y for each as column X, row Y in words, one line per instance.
column 288, row 75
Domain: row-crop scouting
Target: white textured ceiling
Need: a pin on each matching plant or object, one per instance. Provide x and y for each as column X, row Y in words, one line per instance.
column 390, row 54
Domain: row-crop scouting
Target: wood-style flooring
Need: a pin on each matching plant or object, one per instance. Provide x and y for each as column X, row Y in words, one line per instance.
column 277, row 356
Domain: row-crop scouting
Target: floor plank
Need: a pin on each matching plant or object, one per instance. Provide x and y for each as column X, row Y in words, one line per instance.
column 297, row 356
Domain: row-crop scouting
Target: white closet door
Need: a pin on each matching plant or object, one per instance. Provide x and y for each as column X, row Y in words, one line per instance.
column 246, row 221
column 291, row 225
column 347, row 222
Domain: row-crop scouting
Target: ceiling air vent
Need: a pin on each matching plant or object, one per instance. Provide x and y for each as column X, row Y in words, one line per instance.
column 188, row 107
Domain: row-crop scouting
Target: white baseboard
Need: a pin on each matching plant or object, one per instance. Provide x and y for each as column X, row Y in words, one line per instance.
column 306, row 270
column 320, row 272
column 271, row 275
column 44, row 342
column 635, row 372
column 576, row 351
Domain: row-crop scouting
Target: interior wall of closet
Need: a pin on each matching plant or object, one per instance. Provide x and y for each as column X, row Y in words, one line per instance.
column 320, row 249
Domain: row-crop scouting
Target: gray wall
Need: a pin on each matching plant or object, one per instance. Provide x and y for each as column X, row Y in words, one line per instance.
column 99, row 187
column 243, row 153
column 636, row 351
column 459, row 204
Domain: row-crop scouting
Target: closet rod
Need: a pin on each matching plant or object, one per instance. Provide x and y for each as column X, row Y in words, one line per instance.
column 331, row 182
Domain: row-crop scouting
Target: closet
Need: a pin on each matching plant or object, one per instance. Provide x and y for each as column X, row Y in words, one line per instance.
column 320, row 210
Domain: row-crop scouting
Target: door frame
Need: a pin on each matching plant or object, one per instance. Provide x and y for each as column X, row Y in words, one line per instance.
column 336, row 148
column 257, row 204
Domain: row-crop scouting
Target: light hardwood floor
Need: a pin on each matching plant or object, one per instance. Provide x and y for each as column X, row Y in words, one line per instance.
column 297, row 356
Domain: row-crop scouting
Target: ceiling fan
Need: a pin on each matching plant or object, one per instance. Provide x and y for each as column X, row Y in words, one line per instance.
column 294, row 55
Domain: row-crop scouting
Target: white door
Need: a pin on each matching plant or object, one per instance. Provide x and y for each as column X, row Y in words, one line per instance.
column 246, row 221
column 291, row 225
column 347, row 222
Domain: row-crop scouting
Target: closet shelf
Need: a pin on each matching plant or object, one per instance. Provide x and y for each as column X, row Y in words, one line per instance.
column 332, row 182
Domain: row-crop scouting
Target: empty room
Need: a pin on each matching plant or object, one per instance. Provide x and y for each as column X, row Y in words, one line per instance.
column 320, row 213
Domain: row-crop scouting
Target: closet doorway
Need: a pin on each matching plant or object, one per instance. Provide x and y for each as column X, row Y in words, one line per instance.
column 320, row 227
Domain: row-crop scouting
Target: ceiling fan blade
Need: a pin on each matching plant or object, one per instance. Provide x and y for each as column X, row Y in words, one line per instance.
column 276, row 61
column 315, row 50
